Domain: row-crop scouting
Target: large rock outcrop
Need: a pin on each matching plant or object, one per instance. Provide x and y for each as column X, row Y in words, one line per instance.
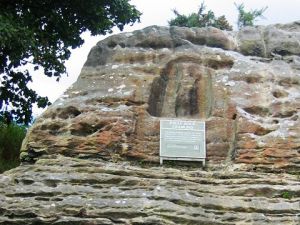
column 245, row 85
column 95, row 151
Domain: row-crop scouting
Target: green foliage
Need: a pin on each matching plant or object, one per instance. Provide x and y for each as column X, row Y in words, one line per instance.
column 247, row 18
column 41, row 34
column 287, row 195
column 200, row 19
column 11, row 137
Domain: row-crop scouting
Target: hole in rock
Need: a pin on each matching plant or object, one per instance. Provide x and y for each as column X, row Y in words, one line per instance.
column 279, row 94
column 68, row 112
column 51, row 183
column 219, row 64
column 252, row 79
column 55, row 127
column 111, row 44
column 261, row 131
column 258, row 110
column 85, row 129
column 27, row 182
column 282, row 52
column 234, row 116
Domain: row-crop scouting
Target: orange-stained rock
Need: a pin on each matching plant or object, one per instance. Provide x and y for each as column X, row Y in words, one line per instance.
column 280, row 153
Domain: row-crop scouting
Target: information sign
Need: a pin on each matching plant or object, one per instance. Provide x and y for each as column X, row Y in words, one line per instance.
column 182, row 140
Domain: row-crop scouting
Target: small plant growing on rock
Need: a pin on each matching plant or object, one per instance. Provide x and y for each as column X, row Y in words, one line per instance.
column 287, row 195
column 247, row 18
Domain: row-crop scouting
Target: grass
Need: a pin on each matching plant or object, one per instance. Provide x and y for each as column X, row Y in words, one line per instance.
column 11, row 137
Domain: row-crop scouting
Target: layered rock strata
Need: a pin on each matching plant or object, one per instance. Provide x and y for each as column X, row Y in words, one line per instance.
column 61, row 190
column 245, row 85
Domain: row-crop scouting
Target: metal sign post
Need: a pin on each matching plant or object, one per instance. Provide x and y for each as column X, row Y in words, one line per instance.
column 182, row 140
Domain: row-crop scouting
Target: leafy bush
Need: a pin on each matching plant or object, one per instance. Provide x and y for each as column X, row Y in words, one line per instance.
column 208, row 19
column 200, row 19
column 11, row 137
column 247, row 18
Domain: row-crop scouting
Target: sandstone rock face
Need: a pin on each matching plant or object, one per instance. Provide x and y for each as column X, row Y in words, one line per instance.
column 61, row 190
column 96, row 149
column 245, row 85
column 271, row 40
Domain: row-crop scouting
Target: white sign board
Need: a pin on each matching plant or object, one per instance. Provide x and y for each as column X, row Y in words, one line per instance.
column 182, row 140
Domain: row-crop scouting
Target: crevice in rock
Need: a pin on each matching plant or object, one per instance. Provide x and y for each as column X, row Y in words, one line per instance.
column 35, row 194
column 131, row 103
column 285, row 114
column 20, row 215
column 205, row 95
column 264, row 41
column 193, row 103
column 232, row 145
column 42, row 199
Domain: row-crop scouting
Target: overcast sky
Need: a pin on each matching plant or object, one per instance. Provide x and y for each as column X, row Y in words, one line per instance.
column 159, row 12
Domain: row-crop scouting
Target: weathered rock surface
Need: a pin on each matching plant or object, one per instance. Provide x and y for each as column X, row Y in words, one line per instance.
column 61, row 190
column 251, row 104
column 245, row 85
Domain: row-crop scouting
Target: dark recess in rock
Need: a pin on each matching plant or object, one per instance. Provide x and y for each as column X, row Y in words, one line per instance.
column 68, row 112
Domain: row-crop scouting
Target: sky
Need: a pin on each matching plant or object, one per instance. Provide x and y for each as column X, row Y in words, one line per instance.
column 159, row 12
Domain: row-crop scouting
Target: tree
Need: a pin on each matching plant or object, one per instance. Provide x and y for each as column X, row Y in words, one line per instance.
column 41, row 34
column 11, row 137
column 200, row 19
column 247, row 18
